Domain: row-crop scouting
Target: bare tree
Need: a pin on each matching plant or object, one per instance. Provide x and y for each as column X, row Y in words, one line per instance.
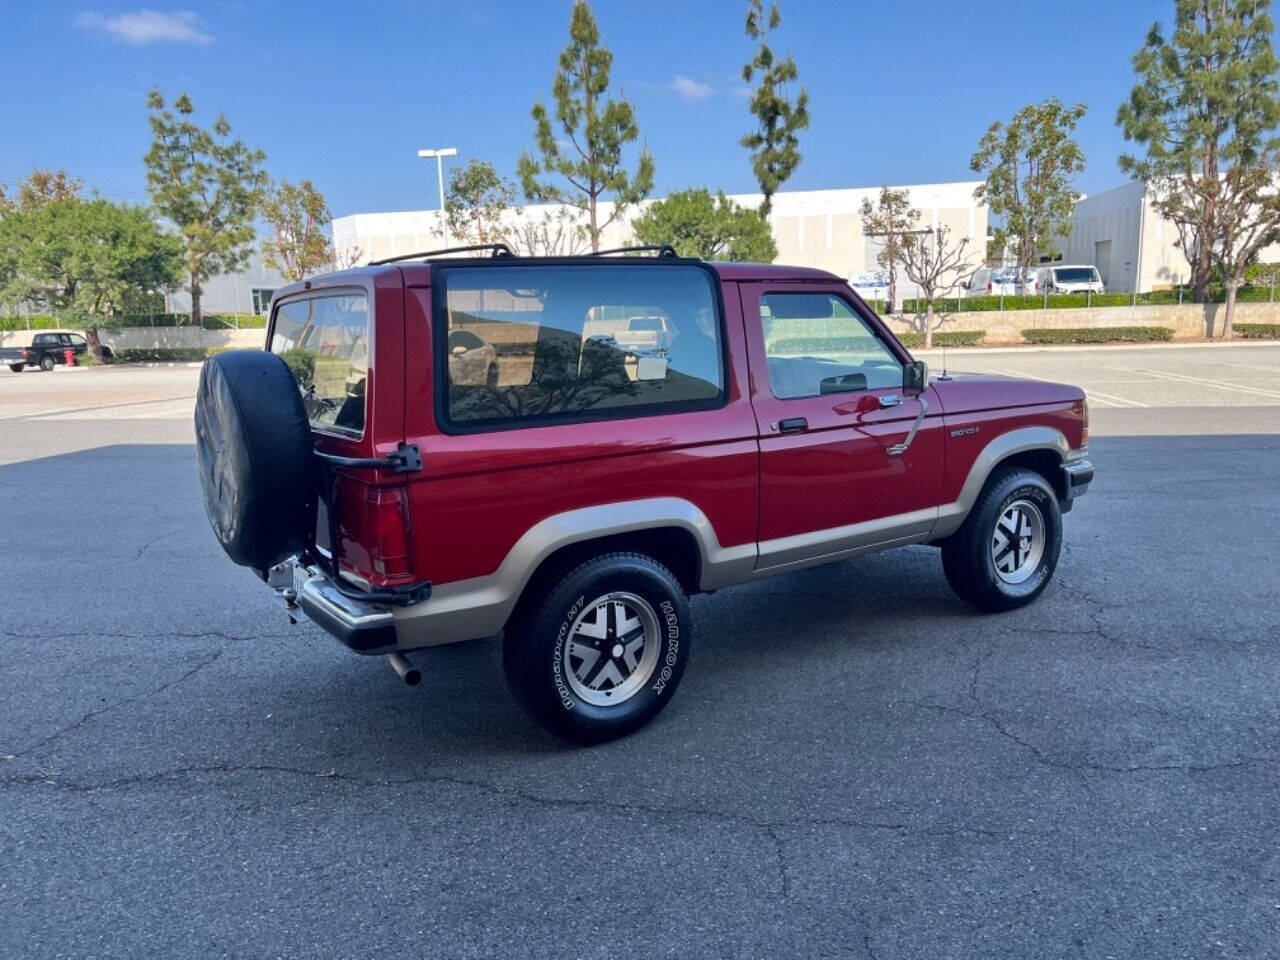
column 1248, row 219
column 937, row 266
column 892, row 218
column 347, row 258
column 555, row 233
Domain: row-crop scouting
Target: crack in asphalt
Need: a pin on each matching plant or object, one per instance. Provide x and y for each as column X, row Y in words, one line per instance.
column 769, row 828
column 1095, row 616
column 159, row 635
column 151, row 543
column 983, row 714
column 92, row 714
column 1078, row 766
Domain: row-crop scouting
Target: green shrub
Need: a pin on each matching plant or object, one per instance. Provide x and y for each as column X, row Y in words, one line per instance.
column 1066, row 301
column 35, row 322
column 166, row 354
column 210, row 321
column 87, row 359
column 301, row 363
column 1258, row 331
column 944, row 338
column 232, row 321
column 1098, row 335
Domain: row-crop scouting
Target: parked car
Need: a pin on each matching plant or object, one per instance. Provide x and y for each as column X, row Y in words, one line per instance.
column 870, row 286
column 1002, row 282
column 45, row 349
column 573, row 507
column 1071, row 279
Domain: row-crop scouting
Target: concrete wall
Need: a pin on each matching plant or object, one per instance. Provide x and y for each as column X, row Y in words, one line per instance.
column 1189, row 321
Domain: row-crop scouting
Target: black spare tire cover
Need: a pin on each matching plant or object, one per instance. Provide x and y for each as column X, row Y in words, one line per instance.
column 254, row 454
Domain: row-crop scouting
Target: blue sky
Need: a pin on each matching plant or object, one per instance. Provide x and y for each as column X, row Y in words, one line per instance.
column 346, row 93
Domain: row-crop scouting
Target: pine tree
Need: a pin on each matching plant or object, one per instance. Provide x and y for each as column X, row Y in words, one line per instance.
column 1205, row 108
column 774, row 146
column 596, row 128
column 208, row 184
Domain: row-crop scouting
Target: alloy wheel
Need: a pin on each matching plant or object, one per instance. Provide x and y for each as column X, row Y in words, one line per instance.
column 612, row 649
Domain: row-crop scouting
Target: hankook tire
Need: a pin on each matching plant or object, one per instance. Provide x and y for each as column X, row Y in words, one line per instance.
column 1004, row 554
column 603, row 651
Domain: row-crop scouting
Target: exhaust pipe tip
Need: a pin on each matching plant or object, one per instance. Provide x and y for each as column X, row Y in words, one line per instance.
column 410, row 674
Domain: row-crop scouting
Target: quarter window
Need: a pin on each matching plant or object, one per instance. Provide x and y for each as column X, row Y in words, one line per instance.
column 325, row 342
column 816, row 344
column 523, row 345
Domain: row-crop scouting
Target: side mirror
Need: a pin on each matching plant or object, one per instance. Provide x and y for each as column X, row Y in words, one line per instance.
column 915, row 376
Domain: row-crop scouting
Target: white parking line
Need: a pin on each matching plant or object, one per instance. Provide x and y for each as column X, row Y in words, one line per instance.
column 1106, row 399
column 1186, row 378
column 1247, row 366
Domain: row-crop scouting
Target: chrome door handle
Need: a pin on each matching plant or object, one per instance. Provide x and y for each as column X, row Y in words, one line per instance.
column 890, row 400
column 898, row 449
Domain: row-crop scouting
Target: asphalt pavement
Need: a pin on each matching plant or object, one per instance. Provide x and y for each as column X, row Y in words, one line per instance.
column 855, row 764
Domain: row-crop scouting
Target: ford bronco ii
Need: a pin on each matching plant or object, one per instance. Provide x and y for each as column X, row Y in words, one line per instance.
column 561, row 450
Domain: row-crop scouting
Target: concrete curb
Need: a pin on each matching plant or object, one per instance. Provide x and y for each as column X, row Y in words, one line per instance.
column 1093, row 347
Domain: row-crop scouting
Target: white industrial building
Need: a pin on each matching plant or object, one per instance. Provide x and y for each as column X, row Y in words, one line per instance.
column 246, row 291
column 1120, row 232
column 815, row 228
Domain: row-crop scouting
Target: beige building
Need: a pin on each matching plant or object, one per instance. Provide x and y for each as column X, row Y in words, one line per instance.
column 815, row 228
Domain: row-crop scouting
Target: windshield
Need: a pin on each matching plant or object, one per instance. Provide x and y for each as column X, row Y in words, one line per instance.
column 1010, row 276
column 1076, row 275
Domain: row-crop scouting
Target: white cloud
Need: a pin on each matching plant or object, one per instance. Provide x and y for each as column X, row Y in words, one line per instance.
column 686, row 88
column 146, row 26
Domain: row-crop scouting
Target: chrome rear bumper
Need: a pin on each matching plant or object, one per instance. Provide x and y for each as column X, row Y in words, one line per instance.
column 363, row 627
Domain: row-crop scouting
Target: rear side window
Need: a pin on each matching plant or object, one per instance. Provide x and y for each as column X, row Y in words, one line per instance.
column 325, row 342
column 522, row 345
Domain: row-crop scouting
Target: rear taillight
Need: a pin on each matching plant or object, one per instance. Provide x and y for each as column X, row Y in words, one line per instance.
column 989, row 288
column 26, row 354
column 373, row 529
column 386, row 531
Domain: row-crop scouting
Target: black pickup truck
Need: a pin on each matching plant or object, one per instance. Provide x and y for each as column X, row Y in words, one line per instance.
column 47, row 349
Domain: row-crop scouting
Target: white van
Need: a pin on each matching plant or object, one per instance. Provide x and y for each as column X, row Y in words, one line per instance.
column 1002, row 282
column 1071, row 278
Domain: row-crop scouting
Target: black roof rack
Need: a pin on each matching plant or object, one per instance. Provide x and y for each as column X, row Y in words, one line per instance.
column 661, row 249
column 499, row 250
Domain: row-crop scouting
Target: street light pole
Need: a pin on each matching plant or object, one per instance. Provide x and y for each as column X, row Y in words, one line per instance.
column 440, row 154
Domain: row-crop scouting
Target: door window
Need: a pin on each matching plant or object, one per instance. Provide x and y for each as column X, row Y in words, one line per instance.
column 816, row 344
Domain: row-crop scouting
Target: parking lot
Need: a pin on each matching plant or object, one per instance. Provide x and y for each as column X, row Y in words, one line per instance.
column 856, row 764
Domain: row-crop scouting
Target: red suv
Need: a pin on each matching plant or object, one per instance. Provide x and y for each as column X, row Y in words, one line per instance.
column 562, row 450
